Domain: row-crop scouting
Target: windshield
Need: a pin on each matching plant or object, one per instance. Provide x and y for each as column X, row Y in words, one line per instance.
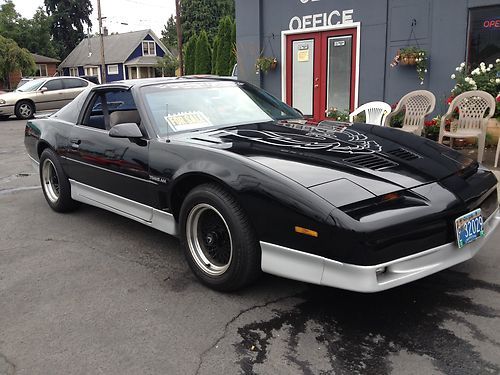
column 31, row 85
column 188, row 106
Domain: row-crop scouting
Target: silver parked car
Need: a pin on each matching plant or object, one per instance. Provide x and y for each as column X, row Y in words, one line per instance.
column 40, row 95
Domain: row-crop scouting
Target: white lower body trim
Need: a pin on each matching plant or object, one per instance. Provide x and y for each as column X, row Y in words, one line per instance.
column 163, row 221
column 34, row 163
column 297, row 265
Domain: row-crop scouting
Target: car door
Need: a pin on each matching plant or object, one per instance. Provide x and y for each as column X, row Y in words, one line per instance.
column 50, row 95
column 113, row 171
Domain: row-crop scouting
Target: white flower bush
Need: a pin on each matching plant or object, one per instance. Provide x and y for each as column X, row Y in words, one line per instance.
column 483, row 77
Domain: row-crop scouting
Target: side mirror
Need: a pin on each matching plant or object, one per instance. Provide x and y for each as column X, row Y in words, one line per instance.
column 43, row 89
column 126, row 130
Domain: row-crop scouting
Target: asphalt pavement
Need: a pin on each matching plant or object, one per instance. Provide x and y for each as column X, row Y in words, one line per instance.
column 94, row 293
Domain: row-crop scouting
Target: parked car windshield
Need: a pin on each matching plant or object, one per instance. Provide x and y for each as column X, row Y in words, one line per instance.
column 31, row 85
column 187, row 106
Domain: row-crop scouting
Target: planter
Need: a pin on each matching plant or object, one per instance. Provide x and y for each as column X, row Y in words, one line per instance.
column 494, row 130
column 408, row 60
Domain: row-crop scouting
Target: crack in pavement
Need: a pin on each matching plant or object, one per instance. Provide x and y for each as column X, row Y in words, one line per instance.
column 232, row 320
column 6, row 366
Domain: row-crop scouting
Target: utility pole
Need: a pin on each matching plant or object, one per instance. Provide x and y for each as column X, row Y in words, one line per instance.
column 103, row 61
column 179, row 35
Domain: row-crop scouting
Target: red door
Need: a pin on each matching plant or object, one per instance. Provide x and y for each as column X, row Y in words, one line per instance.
column 321, row 72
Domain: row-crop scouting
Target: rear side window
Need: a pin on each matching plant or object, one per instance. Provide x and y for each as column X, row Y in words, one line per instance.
column 73, row 83
column 54, row 84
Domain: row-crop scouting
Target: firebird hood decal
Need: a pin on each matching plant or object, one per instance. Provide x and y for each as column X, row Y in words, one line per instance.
column 342, row 139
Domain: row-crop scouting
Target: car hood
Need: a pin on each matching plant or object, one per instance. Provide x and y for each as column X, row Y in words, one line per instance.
column 365, row 159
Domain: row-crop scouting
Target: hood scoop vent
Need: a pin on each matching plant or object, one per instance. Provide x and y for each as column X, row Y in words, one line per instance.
column 403, row 154
column 371, row 161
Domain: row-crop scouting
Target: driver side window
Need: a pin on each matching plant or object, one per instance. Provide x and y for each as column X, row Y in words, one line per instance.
column 109, row 108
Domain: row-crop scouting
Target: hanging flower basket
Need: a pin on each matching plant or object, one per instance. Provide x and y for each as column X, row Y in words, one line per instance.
column 266, row 64
column 412, row 56
column 408, row 60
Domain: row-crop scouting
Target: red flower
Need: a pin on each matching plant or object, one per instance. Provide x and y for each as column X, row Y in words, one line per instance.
column 449, row 100
column 498, row 98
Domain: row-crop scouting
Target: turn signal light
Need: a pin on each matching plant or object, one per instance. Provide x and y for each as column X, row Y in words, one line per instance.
column 307, row 232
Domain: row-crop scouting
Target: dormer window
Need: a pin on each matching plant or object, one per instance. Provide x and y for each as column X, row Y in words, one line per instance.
column 148, row 48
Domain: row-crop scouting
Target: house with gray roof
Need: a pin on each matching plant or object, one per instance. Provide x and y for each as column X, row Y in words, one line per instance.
column 127, row 55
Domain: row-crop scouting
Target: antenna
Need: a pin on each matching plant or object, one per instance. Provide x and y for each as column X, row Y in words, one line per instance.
column 168, row 125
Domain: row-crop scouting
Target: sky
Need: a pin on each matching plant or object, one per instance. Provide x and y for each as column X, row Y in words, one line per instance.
column 138, row 14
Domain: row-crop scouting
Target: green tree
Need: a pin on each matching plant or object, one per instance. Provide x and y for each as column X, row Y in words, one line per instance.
column 205, row 15
column 38, row 39
column 169, row 33
column 13, row 58
column 233, row 46
column 202, row 63
column 68, row 18
column 215, row 49
column 168, row 65
column 9, row 19
column 190, row 55
column 224, row 52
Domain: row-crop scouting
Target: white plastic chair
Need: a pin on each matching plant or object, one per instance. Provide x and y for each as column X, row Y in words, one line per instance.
column 417, row 104
column 375, row 112
column 472, row 118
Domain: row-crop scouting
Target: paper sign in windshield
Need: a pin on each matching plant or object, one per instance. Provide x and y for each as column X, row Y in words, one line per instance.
column 187, row 121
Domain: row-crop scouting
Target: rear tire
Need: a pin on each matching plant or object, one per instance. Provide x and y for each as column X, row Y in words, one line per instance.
column 55, row 184
column 24, row 110
column 219, row 242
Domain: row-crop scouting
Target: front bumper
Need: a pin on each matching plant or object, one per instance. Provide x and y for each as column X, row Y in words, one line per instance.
column 6, row 110
column 297, row 265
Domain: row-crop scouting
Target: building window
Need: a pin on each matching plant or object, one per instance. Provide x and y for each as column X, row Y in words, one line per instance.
column 41, row 70
column 148, row 48
column 112, row 69
column 73, row 72
column 92, row 71
column 484, row 35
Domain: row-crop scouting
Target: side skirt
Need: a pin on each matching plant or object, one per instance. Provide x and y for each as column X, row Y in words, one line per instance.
column 152, row 217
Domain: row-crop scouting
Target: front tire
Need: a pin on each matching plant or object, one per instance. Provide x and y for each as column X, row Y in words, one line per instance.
column 219, row 242
column 24, row 110
column 55, row 184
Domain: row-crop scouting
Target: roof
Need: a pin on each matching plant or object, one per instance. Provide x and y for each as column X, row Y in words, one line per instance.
column 117, row 48
column 39, row 59
column 144, row 60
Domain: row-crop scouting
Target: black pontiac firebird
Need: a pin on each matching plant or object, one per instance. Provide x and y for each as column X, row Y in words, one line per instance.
column 249, row 185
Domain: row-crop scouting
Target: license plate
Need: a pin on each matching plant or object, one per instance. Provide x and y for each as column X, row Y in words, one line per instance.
column 469, row 227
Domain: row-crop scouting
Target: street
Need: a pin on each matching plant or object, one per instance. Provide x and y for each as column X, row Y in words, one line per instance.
column 92, row 292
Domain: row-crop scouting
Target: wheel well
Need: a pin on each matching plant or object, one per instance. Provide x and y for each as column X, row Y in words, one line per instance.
column 182, row 188
column 42, row 145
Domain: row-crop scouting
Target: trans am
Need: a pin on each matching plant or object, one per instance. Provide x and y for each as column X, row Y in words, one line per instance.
column 249, row 185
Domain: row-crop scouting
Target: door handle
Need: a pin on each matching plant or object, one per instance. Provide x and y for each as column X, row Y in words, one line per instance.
column 75, row 143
